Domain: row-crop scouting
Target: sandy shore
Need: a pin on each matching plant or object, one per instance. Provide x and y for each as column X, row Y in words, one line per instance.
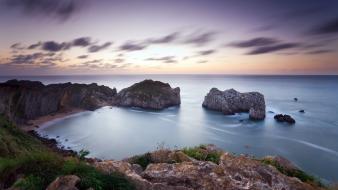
column 36, row 123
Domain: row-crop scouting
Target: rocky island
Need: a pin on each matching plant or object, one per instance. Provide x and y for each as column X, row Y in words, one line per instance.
column 231, row 101
column 149, row 94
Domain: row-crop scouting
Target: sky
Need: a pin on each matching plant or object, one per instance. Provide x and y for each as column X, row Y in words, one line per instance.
column 80, row 37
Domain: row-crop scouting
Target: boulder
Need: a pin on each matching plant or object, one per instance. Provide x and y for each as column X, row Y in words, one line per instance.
column 284, row 118
column 22, row 100
column 64, row 183
column 149, row 94
column 230, row 102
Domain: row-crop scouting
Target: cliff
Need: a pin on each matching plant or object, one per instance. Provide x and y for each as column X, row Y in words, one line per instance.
column 21, row 101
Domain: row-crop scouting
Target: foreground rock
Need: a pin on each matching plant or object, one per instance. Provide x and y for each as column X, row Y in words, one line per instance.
column 21, row 101
column 230, row 102
column 149, row 94
column 64, row 183
column 284, row 118
column 232, row 172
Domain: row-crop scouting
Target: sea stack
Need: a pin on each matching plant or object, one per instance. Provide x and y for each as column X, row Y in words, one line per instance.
column 231, row 101
column 149, row 94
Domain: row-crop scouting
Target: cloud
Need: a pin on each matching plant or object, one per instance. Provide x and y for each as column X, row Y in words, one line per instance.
column 206, row 52
column 200, row 38
column 94, row 64
column 83, row 56
column 96, row 48
column 82, row 42
column 166, row 59
column 329, row 27
column 261, row 41
column 17, row 46
column 118, row 60
column 35, row 59
column 273, row 48
column 61, row 9
column 33, row 46
column 321, row 51
column 55, row 46
column 132, row 46
column 165, row 39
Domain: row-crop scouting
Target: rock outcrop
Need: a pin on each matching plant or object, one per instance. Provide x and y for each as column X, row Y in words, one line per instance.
column 230, row 102
column 284, row 118
column 21, row 101
column 232, row 172
column 64, row 183
column 149, row 94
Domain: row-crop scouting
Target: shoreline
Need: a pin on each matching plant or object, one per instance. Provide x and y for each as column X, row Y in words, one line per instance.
column 34, row 124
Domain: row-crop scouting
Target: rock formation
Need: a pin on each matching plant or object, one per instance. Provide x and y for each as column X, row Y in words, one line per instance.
column 232, row 172
column 64, row 183
column 21, row 101
column 284, row 118
column 149, row 94
column 230, row 102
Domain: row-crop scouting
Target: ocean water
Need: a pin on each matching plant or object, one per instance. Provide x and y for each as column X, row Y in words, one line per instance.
column 116, row 133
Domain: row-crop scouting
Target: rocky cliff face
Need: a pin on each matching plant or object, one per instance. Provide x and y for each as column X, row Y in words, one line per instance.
column 231, row 102
column 24, row 100
column 167, row 172
column 149, row 94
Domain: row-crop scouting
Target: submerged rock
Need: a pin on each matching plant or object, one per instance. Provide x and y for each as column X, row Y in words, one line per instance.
column 22, row 100
column 149, row 94
column 284, row 118
column 231, row 102
column 302, row 111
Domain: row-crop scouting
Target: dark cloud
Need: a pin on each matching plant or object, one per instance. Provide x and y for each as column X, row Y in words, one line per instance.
column 17, row 46
column 82, row 42
column 82, row 56
column 61, row 9
column 261, row 41
column 132, row 46
column 33, row 46
column 273, row 48
column 166, row 59
column 329, row 27
column 321, row 51
column 165, row 39
column 206, row 52
column 96, row 48
column 35, row 59
column 55, row 46
column 200, row 38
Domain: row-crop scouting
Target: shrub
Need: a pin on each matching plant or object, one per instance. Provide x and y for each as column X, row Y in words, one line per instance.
column 142, row 160
column 82, row 154
column 200, row 153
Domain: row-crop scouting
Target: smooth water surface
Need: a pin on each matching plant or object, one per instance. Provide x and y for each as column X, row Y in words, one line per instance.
column 116, row 133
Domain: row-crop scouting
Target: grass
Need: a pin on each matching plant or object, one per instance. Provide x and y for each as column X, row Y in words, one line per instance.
column 143, row 160
column 304, row 177
column 200, row 153
column 22, row 155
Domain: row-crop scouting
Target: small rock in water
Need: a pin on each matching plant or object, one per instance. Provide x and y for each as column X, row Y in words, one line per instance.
column 66, row 140
column 284, row 118
column 295, row 99
column 57, row 136
column 302, row 111
column 241, row 120
column 271, row 112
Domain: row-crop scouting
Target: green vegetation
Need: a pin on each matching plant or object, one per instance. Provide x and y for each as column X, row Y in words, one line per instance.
column 293, row 173
column 28, row 164
column 82, row 154
column 143, row 160
column 201, row 153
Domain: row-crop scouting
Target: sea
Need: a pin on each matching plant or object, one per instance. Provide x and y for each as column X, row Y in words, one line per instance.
column 116, row 133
